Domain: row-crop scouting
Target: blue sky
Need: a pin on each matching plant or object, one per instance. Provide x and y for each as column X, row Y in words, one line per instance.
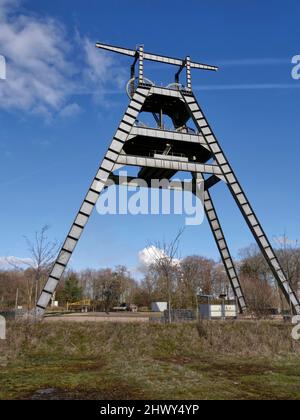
column 62, row 101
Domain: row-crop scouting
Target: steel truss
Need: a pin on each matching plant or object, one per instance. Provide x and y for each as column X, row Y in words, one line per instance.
column 130, row 147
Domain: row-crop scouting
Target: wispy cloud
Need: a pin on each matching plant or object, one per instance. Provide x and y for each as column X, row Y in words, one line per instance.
column 70, row 111
column 246, row 62
column 47, row 66
column 259, row 86
column 4, row 151
column 284, row 241
column 235, row 62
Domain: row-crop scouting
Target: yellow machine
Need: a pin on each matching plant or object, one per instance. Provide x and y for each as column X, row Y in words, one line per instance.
column 82, row 306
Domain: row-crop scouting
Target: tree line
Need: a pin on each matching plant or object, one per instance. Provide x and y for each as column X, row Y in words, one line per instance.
column 178, row 281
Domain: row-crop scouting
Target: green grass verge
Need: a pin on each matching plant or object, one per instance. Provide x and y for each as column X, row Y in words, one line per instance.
column 140, row 361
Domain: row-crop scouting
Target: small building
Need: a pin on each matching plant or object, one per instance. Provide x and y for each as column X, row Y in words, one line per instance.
column 211, row 308
column 159, row 306
column 208, row 311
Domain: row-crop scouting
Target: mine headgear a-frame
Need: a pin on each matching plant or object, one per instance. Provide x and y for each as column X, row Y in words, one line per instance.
column 160, row 153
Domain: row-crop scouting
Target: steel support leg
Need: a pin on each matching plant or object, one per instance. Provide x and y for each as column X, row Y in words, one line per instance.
column 242, row 201
column 223, row 248
column 106, row 169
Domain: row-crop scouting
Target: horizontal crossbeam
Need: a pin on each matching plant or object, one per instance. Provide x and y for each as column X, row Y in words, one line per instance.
column 168, row 135
column 139, row 182
column 172, row 185
column 167, row 163
column 155, row 57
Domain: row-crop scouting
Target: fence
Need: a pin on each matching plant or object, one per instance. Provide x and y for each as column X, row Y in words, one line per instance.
column 180, row 315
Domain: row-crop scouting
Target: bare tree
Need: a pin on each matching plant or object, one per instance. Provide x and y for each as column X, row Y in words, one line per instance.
column 289, row 255
column 197, row 275
column 261, row 296
column 164, row 257
column 253, row 263
column 42, row 254
column 257, row 281
column 12, row 290
column 150, row 282
column 221, row 283
column 254, row 268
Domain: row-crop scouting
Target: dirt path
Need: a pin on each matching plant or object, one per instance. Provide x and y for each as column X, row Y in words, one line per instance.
column 100, row 317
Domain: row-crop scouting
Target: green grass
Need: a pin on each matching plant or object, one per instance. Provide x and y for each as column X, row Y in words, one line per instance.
column 140, row 361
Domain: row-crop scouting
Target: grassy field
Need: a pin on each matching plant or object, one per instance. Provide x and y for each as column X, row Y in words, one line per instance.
column 242, row 360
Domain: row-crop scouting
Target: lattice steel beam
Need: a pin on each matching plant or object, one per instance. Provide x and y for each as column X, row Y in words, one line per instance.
column 223, row 248
column 242, row 201
column 160, row 163
column 106, row 168
column 155, row 57
column 168, row 163
column 173, row 184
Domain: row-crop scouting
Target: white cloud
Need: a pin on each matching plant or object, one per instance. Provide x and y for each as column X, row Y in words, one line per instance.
column 100, row 68
column 5, row 5
column 151, row 254
column 2, row 67
column 37, row 68
column 97, row 69
column 71, row 110
column 11, row 262
column 148, row 256
column 46, row 65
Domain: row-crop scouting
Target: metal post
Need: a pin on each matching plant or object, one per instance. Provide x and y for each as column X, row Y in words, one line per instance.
column 17, row 299
column 132, row 74
column 178, row 74
column 141, row 64
column 132, row 77
column 188, row 73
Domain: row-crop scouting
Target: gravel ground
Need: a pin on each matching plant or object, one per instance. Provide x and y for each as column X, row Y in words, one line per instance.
column 100, row 317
